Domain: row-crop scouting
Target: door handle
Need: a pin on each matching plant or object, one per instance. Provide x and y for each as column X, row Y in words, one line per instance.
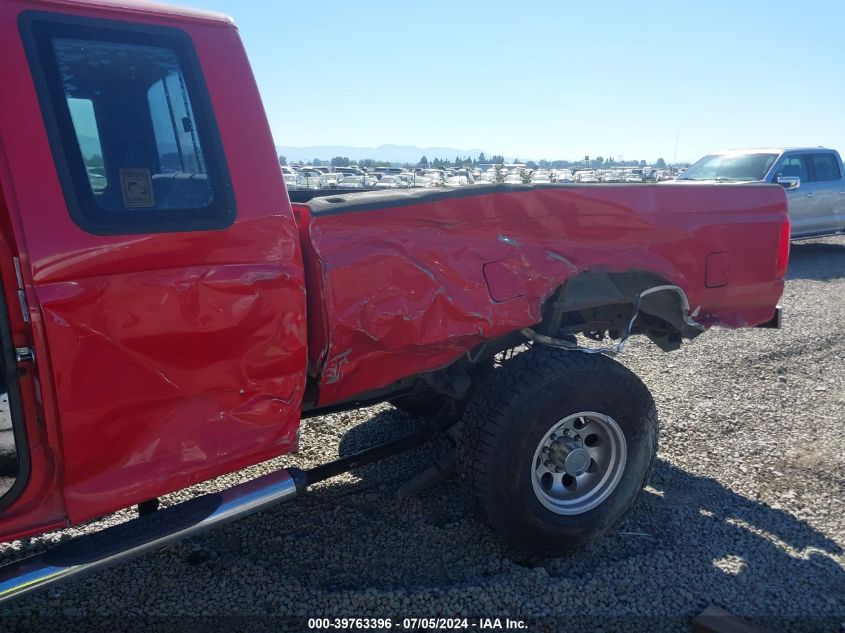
column 811, row 195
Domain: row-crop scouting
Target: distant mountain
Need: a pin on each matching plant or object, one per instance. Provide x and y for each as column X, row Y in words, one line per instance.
column 390, row 153
column 89, row 146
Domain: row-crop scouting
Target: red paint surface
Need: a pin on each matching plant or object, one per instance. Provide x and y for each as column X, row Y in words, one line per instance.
column 405, row 288
column 718, row 270
column 504, row 279
column 317, row 320
column 166, row 359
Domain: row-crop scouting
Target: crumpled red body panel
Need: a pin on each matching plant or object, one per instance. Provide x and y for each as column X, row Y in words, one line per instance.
column 413, row 282
column 173, row 373
column 164, row 358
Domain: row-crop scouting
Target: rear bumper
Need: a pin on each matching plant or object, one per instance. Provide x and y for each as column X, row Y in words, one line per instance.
column 775, row 321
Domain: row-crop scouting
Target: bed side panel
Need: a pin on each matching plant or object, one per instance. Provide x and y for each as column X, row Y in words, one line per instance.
column 413, row 282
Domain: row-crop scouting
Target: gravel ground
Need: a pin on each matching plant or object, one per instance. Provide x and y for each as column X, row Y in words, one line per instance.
column 744, row 510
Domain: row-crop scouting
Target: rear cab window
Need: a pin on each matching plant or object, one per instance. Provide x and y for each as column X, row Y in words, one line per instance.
column 824, row 167
column 131, row 126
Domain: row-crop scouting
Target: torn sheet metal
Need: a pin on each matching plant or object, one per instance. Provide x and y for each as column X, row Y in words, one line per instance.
column 619, row 347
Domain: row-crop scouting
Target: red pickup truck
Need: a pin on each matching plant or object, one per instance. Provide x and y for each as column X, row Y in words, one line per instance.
column 168, row 315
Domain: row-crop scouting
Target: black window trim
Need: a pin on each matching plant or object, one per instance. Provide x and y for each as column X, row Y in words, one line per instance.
column 37, row 29
column 9, row 366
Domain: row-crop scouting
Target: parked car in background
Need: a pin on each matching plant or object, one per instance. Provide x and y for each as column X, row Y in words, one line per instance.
column 312, row 180
column 332, row 179
column 586, row 177
column 467, row 174
column 97, row 179
column 812, row 176
column 291, row 178
column 540, row 178
column 351, row 182
column 437, row 177
column 563, row 176
column 349, row 171
column 391, row 182
column 288, row 173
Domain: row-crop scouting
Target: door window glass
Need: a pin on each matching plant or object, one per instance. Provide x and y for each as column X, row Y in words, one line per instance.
column 825, row 167
column 793, row 166
column 88, row 135
column 134, row 133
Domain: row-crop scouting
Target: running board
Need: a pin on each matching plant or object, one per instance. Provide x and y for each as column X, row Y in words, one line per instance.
column 148, row 532
column 159, row 528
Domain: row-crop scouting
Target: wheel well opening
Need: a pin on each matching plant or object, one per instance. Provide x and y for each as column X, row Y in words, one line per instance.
column 614, row 306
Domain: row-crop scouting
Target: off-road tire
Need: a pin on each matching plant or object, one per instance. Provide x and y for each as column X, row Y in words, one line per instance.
column 508, row 416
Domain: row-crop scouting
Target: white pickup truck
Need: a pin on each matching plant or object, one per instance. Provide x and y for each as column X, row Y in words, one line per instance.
column 813, row 177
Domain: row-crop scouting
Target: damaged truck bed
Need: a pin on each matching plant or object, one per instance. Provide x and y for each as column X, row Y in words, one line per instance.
column 402, row 283
column 168, row 316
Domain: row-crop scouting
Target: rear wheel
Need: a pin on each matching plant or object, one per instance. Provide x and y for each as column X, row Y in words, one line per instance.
column 556, row 446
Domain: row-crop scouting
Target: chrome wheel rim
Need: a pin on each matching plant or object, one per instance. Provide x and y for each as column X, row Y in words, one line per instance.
column 578, row 462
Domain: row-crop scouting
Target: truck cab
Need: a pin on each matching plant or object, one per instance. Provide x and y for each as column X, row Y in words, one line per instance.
column 813, row 177
column 815, row 187
column 151, row 267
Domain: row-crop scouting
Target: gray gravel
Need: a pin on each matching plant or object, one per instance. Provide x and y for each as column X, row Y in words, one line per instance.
column 745, row 511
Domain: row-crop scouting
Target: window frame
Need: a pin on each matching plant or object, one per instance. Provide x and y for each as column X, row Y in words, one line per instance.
column 38, row 30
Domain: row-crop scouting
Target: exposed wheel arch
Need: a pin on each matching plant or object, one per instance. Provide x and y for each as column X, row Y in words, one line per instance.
column 620, row 304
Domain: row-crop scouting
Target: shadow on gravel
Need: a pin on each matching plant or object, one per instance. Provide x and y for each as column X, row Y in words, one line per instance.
column 689, row 542
column 351, row 549
column 384, row 426
column 822, row 261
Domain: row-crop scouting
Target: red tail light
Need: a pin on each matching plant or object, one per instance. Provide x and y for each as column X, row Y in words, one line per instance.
column 783, row 249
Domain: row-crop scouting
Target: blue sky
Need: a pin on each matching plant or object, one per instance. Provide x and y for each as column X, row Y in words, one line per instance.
column 549, row 79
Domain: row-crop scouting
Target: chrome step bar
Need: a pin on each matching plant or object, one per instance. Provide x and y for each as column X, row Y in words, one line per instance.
column 148, row 532
column 159, row 528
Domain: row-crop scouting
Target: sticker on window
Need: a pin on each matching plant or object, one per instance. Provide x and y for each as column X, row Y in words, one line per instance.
column 136, row 185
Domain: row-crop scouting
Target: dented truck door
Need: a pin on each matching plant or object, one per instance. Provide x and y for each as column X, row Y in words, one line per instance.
column 167, row 271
